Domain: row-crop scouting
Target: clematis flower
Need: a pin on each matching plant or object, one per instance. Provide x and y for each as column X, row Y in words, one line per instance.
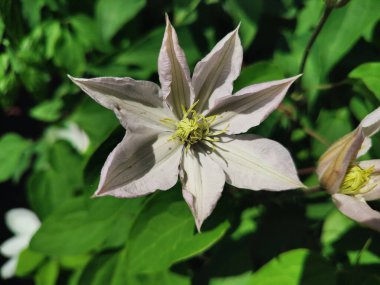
column 189, row 127
column 351, row 182
column 23, row 223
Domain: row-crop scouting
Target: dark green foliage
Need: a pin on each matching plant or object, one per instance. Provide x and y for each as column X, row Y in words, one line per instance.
column 261, row 238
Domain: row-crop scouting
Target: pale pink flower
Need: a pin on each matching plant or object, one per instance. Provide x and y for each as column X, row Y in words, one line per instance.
column 351, row 182
column 189, row 127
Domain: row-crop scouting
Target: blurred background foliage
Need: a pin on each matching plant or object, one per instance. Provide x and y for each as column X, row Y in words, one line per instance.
column 54, row 141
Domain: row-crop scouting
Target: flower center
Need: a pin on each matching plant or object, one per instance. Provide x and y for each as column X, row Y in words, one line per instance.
column 193, row 127
column 355, row 180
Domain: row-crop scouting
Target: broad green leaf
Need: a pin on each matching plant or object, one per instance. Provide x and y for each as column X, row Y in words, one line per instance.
column 28, row 261
column 242, row 279
column 15, row 155
column 185, row 12
column 343, row 29
column 111, row 15
column 97, row 121
column 82, row 225
column 247, row 13
column 299, row 266
column 57, row 178
column 257, row 73
column 48, row 273
column 164, row 234
column 162, row 278
column 334, row 227
column 330, row 126
column 104, row 269
column 360, row 108
column 69, row 54
column 47, row 111
column 369, row 73
column 363, row 257
column 31, row 10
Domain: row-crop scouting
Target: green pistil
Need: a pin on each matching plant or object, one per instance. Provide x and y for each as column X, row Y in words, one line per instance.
column 193, row 127
column 355, row 180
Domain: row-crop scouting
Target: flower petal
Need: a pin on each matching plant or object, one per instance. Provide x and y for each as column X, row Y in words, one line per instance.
column 174, row 72
column 213, row 75
column 14, row 245
column 371, row 123
column 256, row 163
column 250, row 106
column 333, row 164
column 136, row 103
column 8, row 270
column 140, row 164
column 357, row 210
column 202, row 183
column 373, row 185
column 22, row 221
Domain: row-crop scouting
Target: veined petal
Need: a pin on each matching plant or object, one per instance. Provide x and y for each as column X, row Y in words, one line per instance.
column 136, row 103
column 8, row 270
column 357, row 210
column 202, row 183
column 141, row 163
column 250, row 106
column 333, row 164
column 256, row 163
column 213, row 75
column 371, row 123
column 22, row 221
column 14, row 245
column 174, row 72
column 372, row 190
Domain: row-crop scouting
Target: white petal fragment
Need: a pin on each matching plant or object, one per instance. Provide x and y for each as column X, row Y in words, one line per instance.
column 136, row 103
column 214, row 74
column 22, row 221
column 256, row 163
column 250, row 106
column 14, row 245
column 203, row 182
column 174, row 72
column 371, row 123
column 141, row 163
column 357, row 210
column 333, row 164
column 8, row 270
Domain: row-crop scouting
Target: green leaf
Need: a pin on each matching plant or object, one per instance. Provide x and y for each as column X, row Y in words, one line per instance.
column 334, row 227
column 242, row 279
column 369, row 73
column 69, row 54
column 47, row 111
column 331, row 125
column 299, row 266
column 47, row 274
column 15, row 155
column 104, row 269
column 97, row 121
column 81, row 225
column 111, row 15
column 343, row 29
column 164, row 234
column 257, row 73
column 28, row 261
column 57, row 177
column 247, row 13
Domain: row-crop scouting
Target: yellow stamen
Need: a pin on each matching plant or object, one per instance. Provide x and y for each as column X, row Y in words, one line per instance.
column 193, row 127
column 356, row 180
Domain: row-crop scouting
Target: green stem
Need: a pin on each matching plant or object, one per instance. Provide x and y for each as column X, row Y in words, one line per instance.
column 322, row 21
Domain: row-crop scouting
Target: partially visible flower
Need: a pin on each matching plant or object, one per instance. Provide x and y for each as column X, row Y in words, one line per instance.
column 73, row 134
column 23, row 223
column 351, row 182
column 189, row 127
